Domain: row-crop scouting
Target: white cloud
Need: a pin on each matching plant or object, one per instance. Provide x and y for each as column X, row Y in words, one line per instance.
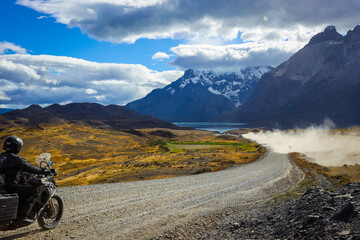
column 160, row 56
column 260, row 48
column 90, row 91
column 42, row 17
column 11, row 70
column 6, row 47
column 4, row 97
column 230, row 58
column 44, row 79
column 271, row 30
column 127, row 21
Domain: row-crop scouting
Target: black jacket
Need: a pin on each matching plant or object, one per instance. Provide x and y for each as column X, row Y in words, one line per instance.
column 11, row 164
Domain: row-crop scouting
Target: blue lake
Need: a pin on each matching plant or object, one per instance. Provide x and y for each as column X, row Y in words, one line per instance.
column 211, row 126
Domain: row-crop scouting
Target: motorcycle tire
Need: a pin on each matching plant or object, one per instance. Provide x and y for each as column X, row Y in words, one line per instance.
column 49, row 219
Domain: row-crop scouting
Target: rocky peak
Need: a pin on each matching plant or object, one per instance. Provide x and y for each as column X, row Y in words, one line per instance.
column 330, row 28
column 255, row 72
column 189, row 73
column 329, row 34
column 233, row 86
column 34, row 107
column 353, row 35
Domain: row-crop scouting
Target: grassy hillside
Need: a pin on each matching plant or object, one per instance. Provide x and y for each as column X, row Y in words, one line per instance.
column 338, row 176
column 85, row 155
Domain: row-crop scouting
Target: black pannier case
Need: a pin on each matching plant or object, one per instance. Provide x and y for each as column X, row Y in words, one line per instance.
column 8, row 207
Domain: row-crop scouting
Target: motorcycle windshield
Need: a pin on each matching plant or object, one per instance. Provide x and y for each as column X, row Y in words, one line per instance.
column 44, row 159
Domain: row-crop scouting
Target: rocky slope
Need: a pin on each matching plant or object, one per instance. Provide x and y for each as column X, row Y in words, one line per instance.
column 200, row 95
column 318, row 214
column 320, row 81
column 93, row 114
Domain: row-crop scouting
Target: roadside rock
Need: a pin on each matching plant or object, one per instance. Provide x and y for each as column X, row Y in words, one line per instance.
column 344, row 213
column 318, row 214
column 236, row 225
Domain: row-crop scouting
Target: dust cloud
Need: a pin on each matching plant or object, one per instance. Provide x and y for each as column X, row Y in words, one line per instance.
column 319, row 144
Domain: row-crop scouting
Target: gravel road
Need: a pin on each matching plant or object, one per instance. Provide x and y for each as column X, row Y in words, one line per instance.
column 145, row 209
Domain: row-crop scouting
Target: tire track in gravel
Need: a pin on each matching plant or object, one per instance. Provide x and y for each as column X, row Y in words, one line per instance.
column 143, row 209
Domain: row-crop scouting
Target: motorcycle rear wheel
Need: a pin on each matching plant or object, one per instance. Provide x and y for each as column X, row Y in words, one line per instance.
column 50, row 217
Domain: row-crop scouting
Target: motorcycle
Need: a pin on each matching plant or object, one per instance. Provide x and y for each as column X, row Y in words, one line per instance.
column 49, row 206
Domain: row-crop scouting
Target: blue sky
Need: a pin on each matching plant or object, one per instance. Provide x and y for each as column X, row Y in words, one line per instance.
column 45, row 36
column 116, row 51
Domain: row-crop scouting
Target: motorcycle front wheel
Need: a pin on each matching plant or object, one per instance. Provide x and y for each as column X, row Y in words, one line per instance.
column 52, row 213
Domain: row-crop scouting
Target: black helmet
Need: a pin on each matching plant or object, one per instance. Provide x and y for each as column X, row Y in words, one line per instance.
column 13, row 144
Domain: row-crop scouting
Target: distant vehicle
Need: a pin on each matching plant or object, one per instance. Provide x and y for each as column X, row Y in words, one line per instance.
column 49, row 206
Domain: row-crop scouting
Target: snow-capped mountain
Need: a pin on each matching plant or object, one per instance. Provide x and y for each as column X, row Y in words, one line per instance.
column 200, row 95
column 234, row 86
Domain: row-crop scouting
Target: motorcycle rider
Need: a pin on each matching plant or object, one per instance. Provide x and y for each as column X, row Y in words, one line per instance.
column 10, row 165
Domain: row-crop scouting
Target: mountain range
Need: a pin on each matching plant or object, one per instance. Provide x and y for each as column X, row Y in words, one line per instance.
column 321, row 81
column 200, row 95
column 93, row 114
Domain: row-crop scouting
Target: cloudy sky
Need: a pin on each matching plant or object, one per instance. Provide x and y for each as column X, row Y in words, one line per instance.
column 116, row 51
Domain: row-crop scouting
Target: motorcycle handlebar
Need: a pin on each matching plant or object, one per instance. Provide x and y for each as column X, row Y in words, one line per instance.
column 50, row 173
column 53, row 172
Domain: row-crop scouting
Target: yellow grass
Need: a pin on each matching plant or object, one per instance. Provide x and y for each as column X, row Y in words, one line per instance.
column 336, row 175
column 352, row 173
column 85, row 155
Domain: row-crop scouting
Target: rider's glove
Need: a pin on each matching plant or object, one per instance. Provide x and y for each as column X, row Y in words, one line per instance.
column 45, row 171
